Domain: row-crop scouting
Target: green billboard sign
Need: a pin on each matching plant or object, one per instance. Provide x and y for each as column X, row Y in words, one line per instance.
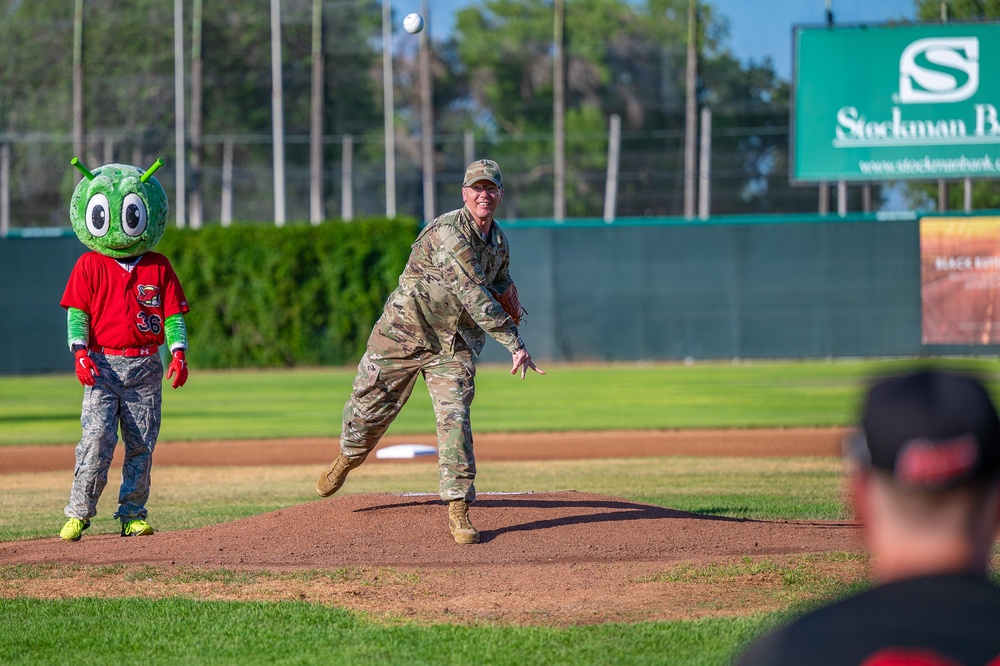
column 899, row 102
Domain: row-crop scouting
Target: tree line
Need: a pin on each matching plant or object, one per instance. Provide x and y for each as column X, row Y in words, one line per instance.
column 492, row 81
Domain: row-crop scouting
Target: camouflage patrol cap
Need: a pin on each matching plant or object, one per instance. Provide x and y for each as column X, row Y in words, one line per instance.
column 483, row 170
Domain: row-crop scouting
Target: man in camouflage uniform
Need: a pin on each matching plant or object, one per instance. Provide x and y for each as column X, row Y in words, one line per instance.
column 435, row 324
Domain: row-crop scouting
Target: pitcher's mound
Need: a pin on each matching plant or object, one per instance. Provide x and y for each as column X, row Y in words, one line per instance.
column 412, row 530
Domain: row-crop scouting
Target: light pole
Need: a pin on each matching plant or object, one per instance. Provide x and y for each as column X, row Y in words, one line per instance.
column 78, row 79
column 197, row 208
column 180, row 199
column 691, row 109
column 426, row 114
column 389, row 111
column 559, row 113
column 277, row 115
column 316, row 118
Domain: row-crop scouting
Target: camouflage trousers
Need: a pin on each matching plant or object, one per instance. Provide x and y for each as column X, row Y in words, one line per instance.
column 127, row 395
column 383, row 385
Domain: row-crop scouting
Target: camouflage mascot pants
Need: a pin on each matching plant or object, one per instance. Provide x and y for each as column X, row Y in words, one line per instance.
column 128, row 394
column 384, row 383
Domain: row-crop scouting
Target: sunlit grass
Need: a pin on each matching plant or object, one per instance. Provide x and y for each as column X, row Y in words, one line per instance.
column 263, row 404
column 187, row 497
column 190, row 631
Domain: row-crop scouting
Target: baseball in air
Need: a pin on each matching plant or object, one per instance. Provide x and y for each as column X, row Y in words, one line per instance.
column 413, row 23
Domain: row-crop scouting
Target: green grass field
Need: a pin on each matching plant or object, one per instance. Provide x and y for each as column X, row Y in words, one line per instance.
column 183, row 631
column 301, row 403
column 45, row 409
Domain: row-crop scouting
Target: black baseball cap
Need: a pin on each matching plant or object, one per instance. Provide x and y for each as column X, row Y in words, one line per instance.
column 929, row 429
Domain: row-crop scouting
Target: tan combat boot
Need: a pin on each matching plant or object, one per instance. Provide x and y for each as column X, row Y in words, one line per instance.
column 458, row 522
column 333, row 478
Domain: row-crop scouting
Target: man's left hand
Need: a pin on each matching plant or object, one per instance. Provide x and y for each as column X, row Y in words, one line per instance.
column 522, row 360
column 178, row 366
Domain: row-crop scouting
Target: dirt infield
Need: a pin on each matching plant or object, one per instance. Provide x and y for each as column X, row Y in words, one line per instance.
column 490, row 446
column 545, row 558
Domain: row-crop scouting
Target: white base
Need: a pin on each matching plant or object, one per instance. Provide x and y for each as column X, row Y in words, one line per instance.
column 405, row 452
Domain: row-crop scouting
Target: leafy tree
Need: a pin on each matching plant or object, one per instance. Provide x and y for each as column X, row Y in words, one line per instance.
column 958, row 10
column 36, row 59
column 493, row 77
column 237, row 73
column 623, row 58
column 985, row 193
column 128, row 63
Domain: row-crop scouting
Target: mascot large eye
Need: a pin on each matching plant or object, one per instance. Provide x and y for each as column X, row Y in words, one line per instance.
column 133, row 215
column 97, row 215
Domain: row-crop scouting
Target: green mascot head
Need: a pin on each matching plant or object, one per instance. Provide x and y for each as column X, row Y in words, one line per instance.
column 119, row 210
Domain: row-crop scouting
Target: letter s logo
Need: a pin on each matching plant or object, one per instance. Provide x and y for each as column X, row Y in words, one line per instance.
column 939, row 69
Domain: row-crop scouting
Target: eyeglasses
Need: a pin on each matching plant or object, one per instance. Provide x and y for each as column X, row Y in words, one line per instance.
column 479, row 189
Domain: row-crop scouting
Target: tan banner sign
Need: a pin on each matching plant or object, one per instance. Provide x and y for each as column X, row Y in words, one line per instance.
column 959, row 280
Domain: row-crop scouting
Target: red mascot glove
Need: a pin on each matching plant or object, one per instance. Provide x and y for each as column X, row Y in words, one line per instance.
column 85, row 368
column 179, row 367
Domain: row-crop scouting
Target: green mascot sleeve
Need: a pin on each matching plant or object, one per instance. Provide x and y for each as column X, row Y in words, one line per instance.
column 77, row 328
column 176, row 330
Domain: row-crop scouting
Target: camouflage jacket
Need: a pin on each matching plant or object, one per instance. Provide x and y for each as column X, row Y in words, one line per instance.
column 444, row 291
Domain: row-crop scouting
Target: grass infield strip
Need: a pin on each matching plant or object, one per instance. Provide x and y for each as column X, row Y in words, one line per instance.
column 176, row 631
column 45, row 409
column 188, row 497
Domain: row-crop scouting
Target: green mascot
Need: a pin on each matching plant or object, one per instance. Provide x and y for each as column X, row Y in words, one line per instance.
column 123, row 302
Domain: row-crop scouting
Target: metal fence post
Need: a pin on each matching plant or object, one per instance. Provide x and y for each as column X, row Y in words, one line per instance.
column 4, row 190
column 347, row 179
column 705, row 165
column 226, row 215
column 614, row 152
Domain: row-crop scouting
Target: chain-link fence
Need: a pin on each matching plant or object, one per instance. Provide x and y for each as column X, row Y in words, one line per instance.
column 236, row 179
column 103, row 82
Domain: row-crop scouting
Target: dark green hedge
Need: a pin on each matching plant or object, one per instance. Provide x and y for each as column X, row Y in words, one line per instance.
column 262, row 296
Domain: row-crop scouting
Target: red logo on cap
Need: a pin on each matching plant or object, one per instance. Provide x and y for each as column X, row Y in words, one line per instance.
column 924, row 463
column 907, row 657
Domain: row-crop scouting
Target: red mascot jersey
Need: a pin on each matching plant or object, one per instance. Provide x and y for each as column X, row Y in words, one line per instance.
column 126, row 308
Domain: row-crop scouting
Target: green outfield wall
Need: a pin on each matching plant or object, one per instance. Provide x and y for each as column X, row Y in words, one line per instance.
column 33, row 275
column 643, row 289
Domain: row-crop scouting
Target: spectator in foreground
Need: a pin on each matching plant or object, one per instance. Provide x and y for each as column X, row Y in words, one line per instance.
column 924, row 480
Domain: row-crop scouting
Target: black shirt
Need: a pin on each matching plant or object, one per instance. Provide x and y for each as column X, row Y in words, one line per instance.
column 938, row 620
